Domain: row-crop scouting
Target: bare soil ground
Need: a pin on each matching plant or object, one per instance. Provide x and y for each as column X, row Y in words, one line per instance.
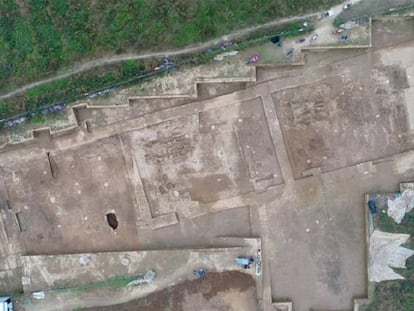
column 373, row 8
column 392, row 31
column 346, row 115
column 137, row 107
column 231, row 291
column 216, row 154
column 209, row 90
column 58, row 214
column 348, row 106
column 182, row 164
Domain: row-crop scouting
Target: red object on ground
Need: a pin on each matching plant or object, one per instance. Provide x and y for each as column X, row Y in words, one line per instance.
column 253, row 59
column 337, row 31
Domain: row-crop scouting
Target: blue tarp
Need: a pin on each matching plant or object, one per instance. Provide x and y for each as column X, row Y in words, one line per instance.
column 372, row 206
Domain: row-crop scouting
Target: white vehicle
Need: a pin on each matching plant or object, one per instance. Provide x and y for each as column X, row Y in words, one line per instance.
column 221, row 56
column 327, row 14
column 6, row 304
column 314, row 37
column 347, row 6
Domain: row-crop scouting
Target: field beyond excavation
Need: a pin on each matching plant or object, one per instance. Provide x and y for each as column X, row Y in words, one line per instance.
column 40, row 37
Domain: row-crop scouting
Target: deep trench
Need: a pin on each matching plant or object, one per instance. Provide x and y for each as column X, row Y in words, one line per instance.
column 112, row 220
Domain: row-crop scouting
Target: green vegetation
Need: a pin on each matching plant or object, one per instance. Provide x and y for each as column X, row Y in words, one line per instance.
column 371, row 8
column 409, row 11
column 394, row 295
column 113, row 282
column 38, row 120
column 40, row 37
column 70, row 88
column 128, row 72
column 19, row 292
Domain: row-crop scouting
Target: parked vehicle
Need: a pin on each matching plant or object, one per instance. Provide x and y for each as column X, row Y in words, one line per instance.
column 337, row 31
column 301, row 40
column 222, row 56
column 226, row 45
column 165, row 65
column 289, row 53
column 14, row 122
column 326, row 14
column 314, row 37
column 344, row 38
column 253, row 59
column 53, row 108
column 347, row 6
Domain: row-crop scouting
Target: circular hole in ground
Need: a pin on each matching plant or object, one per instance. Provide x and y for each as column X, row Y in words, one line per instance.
column 112, row 220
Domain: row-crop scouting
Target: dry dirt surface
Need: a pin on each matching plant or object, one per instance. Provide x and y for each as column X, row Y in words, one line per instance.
column 344, row 114
column 391, row 32
column 181, row 165
column 361, row 111
column 62, row 204
column 229, row 291
column 213, row 155
column 354, row 109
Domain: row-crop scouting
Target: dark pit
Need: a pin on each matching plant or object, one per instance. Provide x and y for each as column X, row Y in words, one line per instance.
column 112, row 220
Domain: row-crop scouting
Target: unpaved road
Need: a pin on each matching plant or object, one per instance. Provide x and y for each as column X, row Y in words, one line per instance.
column 186, row 50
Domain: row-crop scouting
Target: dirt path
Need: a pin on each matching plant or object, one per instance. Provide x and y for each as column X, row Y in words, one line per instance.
column 186, row 50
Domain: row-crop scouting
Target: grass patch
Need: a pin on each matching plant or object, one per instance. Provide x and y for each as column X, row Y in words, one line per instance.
column 71, row 88
column 19, row 292
column 403, row 12
column 123, row 74
column 40, row 37
column 38, row 120
column 394, row 295
column 371, row 8
column 113, row 282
